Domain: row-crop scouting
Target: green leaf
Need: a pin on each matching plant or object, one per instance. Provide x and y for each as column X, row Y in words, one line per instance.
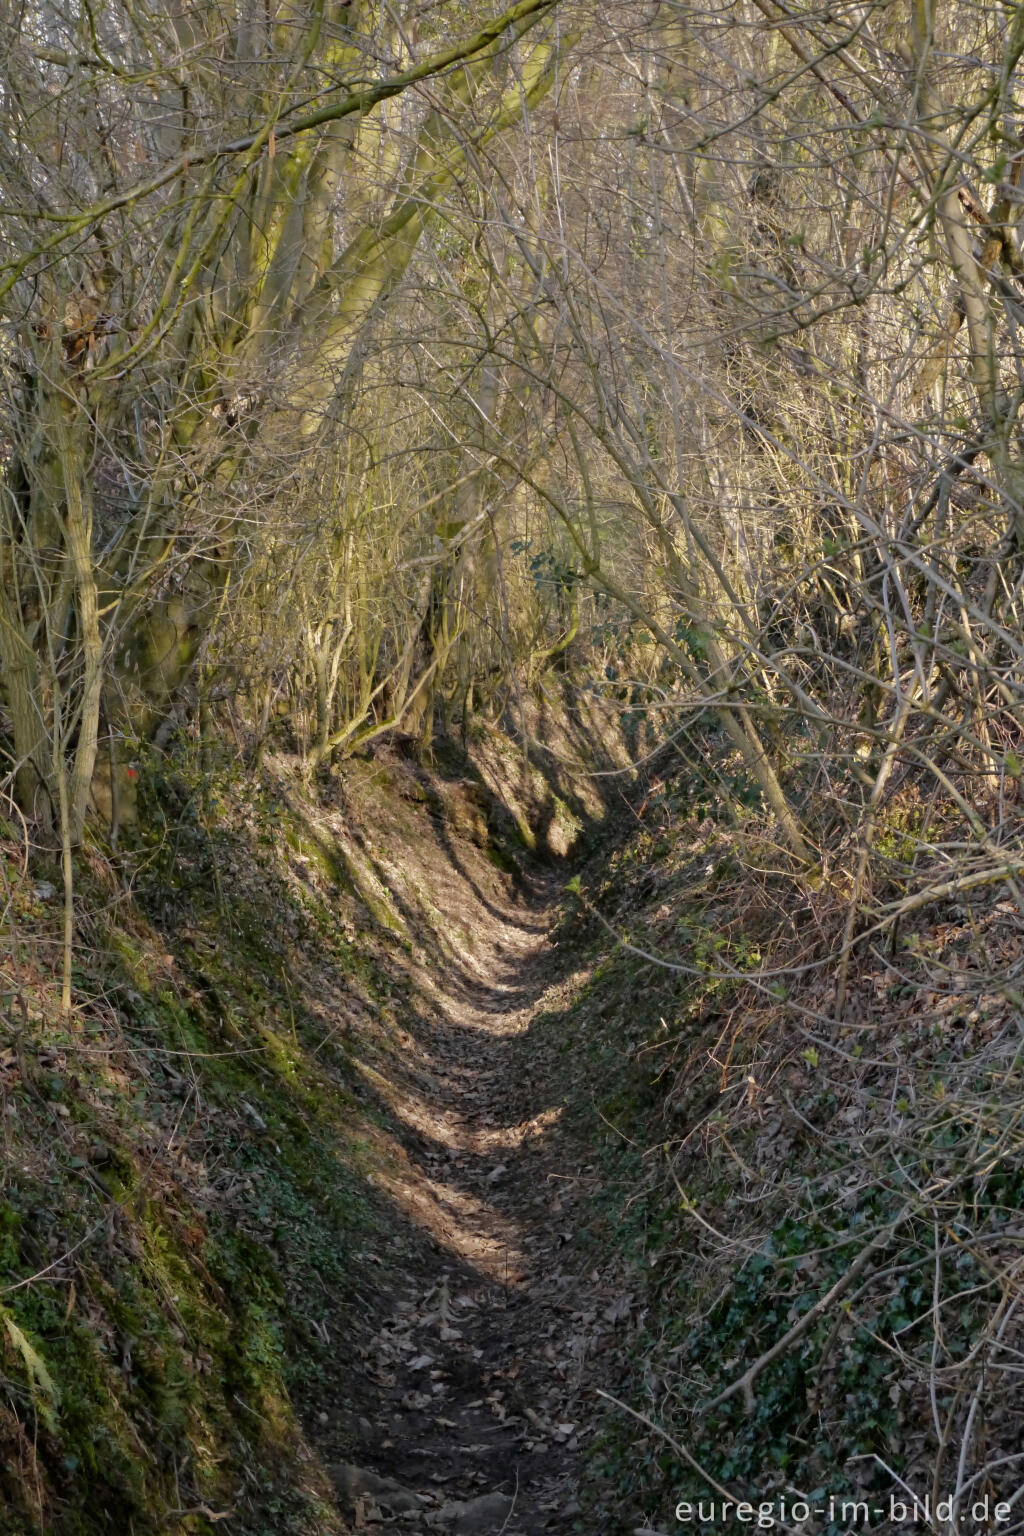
column 39, row 1377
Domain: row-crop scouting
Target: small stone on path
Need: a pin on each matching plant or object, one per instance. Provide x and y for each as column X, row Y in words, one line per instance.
column 484, row 1516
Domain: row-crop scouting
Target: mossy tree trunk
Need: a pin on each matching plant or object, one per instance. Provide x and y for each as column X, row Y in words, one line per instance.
column 205, row 307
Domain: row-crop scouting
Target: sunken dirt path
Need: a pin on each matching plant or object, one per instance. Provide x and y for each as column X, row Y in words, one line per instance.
column 478, row 1394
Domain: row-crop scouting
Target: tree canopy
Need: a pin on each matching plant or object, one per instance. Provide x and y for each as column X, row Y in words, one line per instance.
column 377, row 370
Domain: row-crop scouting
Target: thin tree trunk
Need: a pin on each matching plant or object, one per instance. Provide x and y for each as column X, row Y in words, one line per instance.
column 78, row 532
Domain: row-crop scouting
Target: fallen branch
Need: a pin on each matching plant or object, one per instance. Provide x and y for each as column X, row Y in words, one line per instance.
column 745, row 1383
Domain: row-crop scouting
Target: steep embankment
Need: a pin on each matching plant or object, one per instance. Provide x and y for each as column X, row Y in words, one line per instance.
column 371, row 1160
column 822, row 1210
column 286, row 1225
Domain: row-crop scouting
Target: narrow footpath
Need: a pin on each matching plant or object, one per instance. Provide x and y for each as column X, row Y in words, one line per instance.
column 480, row 1379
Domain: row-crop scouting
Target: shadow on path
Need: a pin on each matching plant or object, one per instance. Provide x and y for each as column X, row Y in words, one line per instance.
column 466, row 1429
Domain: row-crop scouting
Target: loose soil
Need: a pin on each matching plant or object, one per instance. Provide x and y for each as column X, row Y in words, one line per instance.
column 476, row 1392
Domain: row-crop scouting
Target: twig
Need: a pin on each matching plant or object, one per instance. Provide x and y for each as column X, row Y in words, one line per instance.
column 680, row 1450
column 745, row 1383
column 670, row 1440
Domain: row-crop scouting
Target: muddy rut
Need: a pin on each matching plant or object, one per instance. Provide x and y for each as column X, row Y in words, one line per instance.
column 478, row 1374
